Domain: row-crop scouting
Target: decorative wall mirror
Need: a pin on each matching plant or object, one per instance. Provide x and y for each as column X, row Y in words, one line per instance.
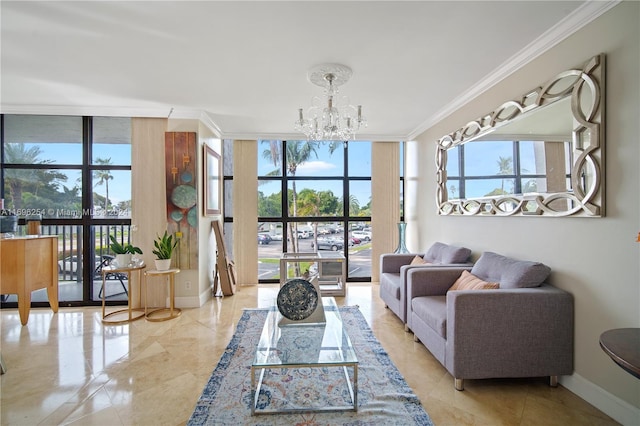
column 540, row 155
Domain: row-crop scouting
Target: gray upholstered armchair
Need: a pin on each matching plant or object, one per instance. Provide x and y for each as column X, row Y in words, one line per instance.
column 394, row 268
column 522, row 329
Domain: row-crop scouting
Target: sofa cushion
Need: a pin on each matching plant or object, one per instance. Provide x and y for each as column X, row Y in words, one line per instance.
column 468, row 281
column 418, row 261
column 510, row 273
column 390, row 284
column 433, row 311
column 444, row 253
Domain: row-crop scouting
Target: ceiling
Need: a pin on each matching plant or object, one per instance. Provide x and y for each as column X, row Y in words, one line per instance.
column 241, row 66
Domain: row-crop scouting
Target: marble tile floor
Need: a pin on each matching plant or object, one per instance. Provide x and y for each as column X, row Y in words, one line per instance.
column 69, row 368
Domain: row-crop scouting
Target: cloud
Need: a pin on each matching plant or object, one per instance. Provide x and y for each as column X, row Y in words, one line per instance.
column 310, row 167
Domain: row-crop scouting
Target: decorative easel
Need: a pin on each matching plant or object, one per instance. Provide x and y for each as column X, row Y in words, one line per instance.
column 224, row 269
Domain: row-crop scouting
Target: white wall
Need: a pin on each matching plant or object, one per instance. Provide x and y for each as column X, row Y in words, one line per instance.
column 207, row 241
column 596, row 259
column 149, row 209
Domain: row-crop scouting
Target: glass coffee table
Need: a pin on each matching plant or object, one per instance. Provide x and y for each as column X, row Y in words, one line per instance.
column 325, row 345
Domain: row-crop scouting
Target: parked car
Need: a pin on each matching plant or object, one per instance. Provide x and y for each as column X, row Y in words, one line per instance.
column 303, row 234
column 276, row 237
column 353, row 241
column 362, row 235
column 329, row 244
column 264, row 239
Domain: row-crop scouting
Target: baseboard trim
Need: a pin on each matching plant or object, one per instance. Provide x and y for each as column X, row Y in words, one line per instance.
column 614, row 407
column 193, row 301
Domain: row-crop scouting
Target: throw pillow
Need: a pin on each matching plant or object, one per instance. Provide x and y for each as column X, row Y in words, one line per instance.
column 468, row 281
column 418, row 261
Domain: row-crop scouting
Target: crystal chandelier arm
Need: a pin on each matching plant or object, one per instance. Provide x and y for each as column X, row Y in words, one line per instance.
column 339, row 120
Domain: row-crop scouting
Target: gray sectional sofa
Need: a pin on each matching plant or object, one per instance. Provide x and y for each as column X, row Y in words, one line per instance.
column 394, row 269
column 522, row 329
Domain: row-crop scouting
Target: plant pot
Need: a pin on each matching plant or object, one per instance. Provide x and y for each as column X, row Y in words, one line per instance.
column 123, row 260
column 163, row 264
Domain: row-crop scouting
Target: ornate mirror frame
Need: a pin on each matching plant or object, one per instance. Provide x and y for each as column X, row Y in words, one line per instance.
column 585, row 88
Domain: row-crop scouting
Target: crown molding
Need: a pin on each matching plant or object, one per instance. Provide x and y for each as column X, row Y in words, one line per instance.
column 300, row 136
column 102, row 111
column 170, row 113
column 580, row 17
column 151, row 112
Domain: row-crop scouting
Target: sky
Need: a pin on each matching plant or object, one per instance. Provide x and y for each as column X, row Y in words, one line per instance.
column 120, row 154
column 482, row 158
column 328, row 165
column 71, row 154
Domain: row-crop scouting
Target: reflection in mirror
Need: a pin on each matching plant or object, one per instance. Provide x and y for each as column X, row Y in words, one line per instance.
column 539, row 155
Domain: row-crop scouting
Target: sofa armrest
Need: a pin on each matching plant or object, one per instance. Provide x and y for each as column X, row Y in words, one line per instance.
column 391, row 262
column 431, row 281
column 509, row 332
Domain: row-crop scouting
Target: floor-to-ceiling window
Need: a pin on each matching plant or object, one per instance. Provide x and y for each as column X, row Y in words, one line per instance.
column 327, row 204
column 75, row 172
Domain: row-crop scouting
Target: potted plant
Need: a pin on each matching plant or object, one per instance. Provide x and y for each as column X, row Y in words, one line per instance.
column 123, row 251
column 163, row 250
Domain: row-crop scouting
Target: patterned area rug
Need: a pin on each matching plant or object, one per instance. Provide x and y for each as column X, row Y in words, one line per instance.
column 383, row 395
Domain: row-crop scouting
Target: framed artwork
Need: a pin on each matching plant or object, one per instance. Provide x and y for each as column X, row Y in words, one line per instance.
column 182, row 195
column 211, row 182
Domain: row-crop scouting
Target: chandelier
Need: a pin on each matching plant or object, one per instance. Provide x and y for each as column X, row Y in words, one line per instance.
column 334, row 118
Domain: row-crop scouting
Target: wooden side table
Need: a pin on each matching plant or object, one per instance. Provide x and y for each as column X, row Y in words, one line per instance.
column 623, row 346
column 171, row 310
column 107, row 318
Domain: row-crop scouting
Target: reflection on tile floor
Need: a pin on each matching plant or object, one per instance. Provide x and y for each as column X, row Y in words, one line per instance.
column 71, row 291
column 69, row 368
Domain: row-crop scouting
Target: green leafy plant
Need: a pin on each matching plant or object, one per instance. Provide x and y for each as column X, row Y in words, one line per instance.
column 118, row 248
column 164, row 246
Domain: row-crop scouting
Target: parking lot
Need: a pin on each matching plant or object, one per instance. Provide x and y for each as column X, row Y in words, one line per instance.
column 358, row 262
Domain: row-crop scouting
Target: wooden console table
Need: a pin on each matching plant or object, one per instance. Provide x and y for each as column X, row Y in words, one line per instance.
column 623, row 346
column 28, row 264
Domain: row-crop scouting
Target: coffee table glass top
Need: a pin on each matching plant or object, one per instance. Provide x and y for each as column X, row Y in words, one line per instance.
column 305, row 344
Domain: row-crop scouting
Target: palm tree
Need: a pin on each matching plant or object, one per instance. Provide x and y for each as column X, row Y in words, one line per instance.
column 296, row 154
column 310, row 206
column 505, row 167
column 103, row 177
column 353, row 206
column 18, row 153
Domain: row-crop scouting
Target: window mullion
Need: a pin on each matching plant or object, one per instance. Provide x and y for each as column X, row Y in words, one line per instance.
column 87, row 205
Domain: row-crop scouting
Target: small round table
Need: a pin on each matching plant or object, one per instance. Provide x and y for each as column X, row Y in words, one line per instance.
column 107, row 318
column 172, row 310
column 623, row 346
